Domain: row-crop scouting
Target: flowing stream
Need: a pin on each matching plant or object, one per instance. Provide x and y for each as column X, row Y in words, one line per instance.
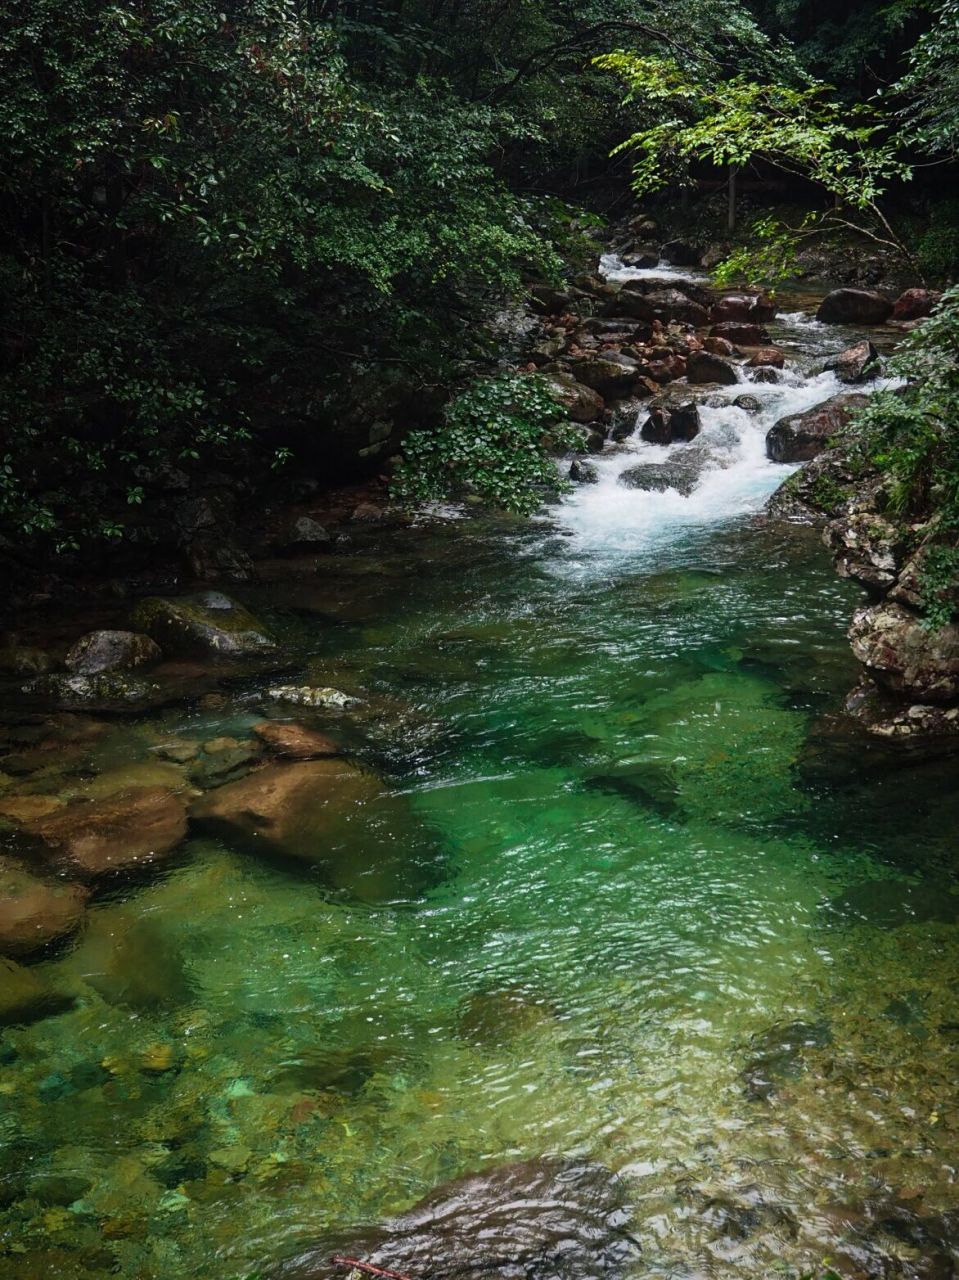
column 655, row 915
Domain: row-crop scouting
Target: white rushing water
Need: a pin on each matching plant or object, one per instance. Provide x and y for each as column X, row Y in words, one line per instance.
column 609, row 517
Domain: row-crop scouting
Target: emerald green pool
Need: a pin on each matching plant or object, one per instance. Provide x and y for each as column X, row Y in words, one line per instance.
column 637, row 868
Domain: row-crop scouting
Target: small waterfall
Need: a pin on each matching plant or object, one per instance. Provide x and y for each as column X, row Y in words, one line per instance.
column 738, row 478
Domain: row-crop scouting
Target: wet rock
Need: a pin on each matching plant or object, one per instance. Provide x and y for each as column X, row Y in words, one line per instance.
column 659, row 477
column 206, row 624
column 867, row 548
column 549, row 301
column 667, row 426
column 345, row 1071
column 125, row 831
column 749, row 404
column 739, row 334
column 703, row 367
column 309, row 695
column 910, row 588
column 915, row 304
column 718, row 346
column 681, row 253
column 903, row 655
column 35, row 912
column 915, row 730
column 538, row 1220
column 778, row 1055
column 582, row 403
column 25, row 996
column 491, row 1018
column 888, row 904
column 764, row 374
column 25, row 660
column 767, row 358
column 858, row 363
column 605, row 376
column 142, row 969
column 296, row 742
column 854, row 306
column 111, row 651
column 302, row 534
column 581, row 472
column 362, row 837
column 117, row 692
column 802, row 436
column 743, row 308
column 824, row 487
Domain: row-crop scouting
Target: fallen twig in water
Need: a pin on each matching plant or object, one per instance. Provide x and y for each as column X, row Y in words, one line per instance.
column 339, row 1261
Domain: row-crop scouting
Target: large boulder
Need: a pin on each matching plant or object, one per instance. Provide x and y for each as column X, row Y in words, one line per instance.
column 854, row 306
column 677, row 473
column 537, row 1220
column 858, row 363
column 801, row 436
column 701, row 366
column 34, row 912
column 25, row 996
column 607, row 376
column 744, row 308
column 903, row 655
column 664, row 305
column 582, row 403
column 209, row 623
column 361, row 836
column 123, row 832
column 915, row 304
column 667, row 426
column 111, row 651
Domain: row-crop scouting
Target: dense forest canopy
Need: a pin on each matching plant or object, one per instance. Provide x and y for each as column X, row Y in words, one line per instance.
column 236, row 235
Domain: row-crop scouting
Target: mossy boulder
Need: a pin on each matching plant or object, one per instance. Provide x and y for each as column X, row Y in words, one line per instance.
column 203, row 625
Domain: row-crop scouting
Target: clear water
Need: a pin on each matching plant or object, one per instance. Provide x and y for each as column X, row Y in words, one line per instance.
column 607, row 727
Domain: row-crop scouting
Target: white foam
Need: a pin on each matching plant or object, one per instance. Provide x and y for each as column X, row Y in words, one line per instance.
column 612, row 268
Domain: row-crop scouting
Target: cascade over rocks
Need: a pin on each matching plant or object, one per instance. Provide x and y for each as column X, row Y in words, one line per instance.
column 854, row 306
column 535, row 1220
column 667, row 426
column 858, row 363
column 801, row 436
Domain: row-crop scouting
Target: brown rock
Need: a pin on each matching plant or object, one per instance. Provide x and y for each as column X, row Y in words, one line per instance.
column 703, row 367
column 719, row 347
column 858, row 363
column 296, row 742
column 915, row 304
column 582, row 403
column 768, row 358
column 916, row 661
column 854, row 306
column 739, row 334
column 802, row 436
column 343, row 820
column 34, row 912
column 744, row 308
column 26, row 808
column 123, row 831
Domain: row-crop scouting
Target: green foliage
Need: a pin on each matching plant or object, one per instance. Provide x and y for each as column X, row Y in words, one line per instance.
column 912, row 434
column 496, row 442
column 938, row 246
column 931, row 86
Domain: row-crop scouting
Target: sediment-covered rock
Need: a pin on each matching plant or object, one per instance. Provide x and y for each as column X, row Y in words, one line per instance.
column 802, row 436
column 206, row 624
column 854, row 306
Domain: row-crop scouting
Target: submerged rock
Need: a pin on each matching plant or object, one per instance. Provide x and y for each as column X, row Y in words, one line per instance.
column 802, row 436
column 778, row 1055
column 206, row 624
column 25, row 996
column 125, row 831
column 888, row 904
column 295, row 741
column 362, row 837
column 111, row 651
column 538, row 1220
column 904, row 655
column 490, row 1018
column 854, row 306
column 35, row 912
column 110, row 691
